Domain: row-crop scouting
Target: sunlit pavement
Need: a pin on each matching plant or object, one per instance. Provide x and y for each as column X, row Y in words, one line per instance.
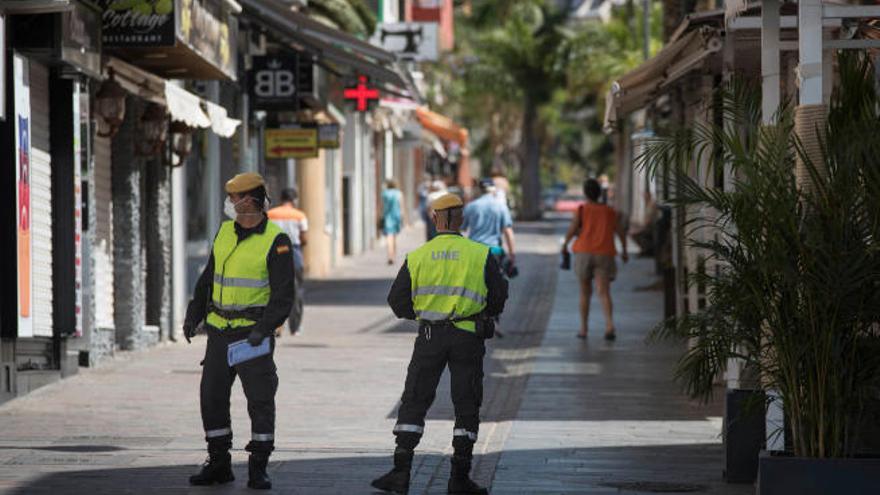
column 560, row 415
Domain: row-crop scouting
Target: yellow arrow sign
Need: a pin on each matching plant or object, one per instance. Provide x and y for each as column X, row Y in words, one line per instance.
column 291, row 143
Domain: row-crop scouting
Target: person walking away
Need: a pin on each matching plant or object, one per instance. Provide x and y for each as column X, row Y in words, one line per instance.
column 595, row 225
column 453, row 287
column 488, row 221
column 436, row 189
column 392, row 217
column 295, row 224
column 502, row 186
column 244, row 293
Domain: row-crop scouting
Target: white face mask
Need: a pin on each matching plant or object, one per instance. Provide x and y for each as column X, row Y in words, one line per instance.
column 229, row 207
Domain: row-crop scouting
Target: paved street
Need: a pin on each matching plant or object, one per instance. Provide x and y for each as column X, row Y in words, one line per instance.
column 561, row 416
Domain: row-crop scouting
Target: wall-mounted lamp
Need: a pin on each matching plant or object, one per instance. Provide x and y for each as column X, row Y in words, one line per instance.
column 110, row 105
column 153, row 130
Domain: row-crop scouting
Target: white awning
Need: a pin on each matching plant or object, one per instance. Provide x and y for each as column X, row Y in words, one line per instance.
column 221, row 124
column 186, row 107
column 638, row 87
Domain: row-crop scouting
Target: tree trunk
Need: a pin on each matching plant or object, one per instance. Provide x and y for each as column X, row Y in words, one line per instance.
column 530, row 176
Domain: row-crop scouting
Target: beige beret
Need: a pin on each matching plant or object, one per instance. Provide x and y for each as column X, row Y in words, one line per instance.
column 446, row 202
column 245, row 182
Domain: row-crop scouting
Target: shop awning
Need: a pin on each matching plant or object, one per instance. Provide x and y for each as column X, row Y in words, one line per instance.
column 221, row 124
column 186, row 107
column 34, row 6
column 182, row 105
column 330, row 46
column 445, row 128
column 638, row 87
column 442, row 126
column 136, row 80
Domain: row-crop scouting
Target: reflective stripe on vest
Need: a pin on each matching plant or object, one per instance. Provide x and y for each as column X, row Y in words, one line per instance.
column 448, row 279
column 241, row 277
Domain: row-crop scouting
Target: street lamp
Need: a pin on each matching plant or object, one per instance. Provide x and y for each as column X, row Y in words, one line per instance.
column 110, row 105
column 181, row 142
column 153, row 130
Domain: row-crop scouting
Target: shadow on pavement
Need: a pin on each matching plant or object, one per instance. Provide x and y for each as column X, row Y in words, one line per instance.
column 348, row 292
column 68, row 448
column 520, row 472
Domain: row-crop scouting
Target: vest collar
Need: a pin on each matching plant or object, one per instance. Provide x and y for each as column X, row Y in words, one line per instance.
column 244, row 233
column 449, row 232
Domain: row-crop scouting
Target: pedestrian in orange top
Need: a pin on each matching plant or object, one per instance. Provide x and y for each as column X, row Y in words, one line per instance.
column 296, row 225
column 595, row 225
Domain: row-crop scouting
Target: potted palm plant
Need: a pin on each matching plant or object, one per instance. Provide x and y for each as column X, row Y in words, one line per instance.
column 795, row 289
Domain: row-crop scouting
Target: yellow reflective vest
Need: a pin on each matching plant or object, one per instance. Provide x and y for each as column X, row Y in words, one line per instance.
column 241, row 276
column 448, row 279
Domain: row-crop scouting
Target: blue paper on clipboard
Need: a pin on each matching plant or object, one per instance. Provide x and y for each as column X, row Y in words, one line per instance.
column 242, row 351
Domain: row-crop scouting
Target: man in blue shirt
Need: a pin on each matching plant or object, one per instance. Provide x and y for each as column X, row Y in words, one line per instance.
column 487, row 220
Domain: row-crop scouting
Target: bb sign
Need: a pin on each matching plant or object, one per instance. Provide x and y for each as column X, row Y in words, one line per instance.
column 274, row 82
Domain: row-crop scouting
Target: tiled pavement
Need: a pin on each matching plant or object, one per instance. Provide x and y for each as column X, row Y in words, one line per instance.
column 567, row 417
column 602, row 417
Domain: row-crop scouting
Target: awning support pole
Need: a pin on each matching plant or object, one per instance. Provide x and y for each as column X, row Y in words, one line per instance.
column 770, row 61
column 769, row 107
column 810, row 51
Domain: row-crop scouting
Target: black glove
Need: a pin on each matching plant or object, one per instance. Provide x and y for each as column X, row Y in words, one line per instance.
column 255, row 338
column 189, row 331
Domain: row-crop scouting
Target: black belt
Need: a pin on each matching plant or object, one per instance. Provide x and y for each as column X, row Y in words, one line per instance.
column 449, row 322
column 254, row 314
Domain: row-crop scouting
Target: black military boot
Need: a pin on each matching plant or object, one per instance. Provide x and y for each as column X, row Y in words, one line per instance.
column 216, row 470
column 397, row 480
column 258, row 478
column 460, row 482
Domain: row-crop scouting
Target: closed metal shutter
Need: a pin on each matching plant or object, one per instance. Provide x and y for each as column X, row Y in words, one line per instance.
column 103, row 248
column 41, row 201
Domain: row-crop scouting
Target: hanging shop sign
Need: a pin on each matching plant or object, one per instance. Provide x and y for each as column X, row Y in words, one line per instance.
column 291, row 143
column 81, row 38
column 362, row 94
column 22, row 115
column 272, row 83
column 138, row 23
column 416, row 41
column 181, row 39
column 328, row 136
column 280, row 82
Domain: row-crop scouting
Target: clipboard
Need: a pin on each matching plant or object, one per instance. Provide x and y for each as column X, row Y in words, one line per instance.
column 242, row 351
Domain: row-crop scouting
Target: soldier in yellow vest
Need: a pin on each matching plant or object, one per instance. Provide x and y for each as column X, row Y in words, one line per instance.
column 244, row 293
column 453, row 287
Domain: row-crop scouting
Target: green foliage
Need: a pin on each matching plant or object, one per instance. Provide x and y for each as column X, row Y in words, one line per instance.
column 511, row 51
column 351, row 16
column 794, row 292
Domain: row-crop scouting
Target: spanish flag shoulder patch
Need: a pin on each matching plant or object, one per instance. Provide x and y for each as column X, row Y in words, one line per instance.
column 284, row 248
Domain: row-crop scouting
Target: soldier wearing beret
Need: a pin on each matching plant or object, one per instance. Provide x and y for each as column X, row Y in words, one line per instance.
column 453, row 287
column 245, row 293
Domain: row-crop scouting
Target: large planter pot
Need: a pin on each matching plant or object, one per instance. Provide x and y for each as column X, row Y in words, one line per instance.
column 786, row 475
column 744, row 428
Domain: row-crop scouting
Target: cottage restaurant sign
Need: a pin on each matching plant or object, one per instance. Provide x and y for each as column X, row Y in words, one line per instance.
column 138, row 23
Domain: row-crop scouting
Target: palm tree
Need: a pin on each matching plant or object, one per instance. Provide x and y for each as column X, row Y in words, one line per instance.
column 523, row 57
column 351, row 16
column 531, row 62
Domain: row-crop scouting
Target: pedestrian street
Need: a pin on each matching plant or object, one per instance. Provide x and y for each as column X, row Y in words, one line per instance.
column 559, row 415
